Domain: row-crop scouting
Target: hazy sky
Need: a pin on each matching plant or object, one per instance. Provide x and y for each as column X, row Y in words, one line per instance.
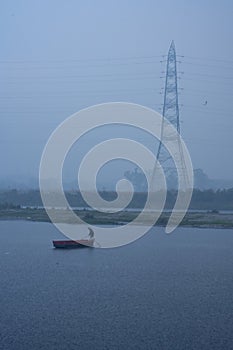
column 60, row 56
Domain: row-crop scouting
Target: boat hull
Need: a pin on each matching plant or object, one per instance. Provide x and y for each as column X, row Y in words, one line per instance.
column 70, row 244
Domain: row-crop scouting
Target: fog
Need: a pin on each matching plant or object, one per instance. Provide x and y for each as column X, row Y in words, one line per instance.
column 58, row 57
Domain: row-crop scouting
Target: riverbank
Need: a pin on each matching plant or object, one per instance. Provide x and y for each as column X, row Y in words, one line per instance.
column 191, row 219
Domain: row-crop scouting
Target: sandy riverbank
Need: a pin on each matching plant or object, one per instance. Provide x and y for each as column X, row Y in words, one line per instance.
column 193, row 219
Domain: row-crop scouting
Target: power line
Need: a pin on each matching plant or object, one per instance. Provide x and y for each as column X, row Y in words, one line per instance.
column 204, row 111
column 83, row 59
column 207, row 59
column 113, row 76
column 211, row 76
column 73, row 76
column 206, row 65
column 206, row 80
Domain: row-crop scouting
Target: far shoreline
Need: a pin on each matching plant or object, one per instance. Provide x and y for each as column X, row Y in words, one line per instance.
column 193, row 219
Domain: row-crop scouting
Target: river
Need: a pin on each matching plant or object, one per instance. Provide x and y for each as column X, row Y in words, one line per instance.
column 160, row 292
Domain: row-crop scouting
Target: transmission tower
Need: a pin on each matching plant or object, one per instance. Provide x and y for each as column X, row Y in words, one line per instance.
column 170, row 105
column 171, row 113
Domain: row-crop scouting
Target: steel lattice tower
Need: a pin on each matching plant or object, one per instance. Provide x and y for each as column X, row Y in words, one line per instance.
column 171, row 113
column 170, row 105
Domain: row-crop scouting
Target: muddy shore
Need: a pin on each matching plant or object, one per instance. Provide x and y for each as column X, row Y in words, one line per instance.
column 191, row 219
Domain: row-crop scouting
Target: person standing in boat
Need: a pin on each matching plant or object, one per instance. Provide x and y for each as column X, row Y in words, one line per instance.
column 92, row 238
column 91, row 233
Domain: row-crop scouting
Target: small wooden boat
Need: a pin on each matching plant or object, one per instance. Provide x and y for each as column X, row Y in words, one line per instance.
column 68, row 244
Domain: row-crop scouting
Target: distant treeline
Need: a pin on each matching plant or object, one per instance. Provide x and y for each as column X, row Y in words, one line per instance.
column 201, row 199
column 7, row 205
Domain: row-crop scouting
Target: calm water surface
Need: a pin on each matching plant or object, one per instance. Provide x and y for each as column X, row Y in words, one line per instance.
column 161, row 292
